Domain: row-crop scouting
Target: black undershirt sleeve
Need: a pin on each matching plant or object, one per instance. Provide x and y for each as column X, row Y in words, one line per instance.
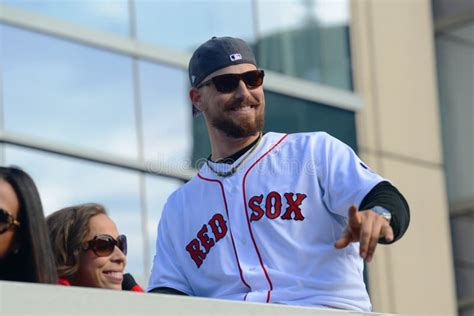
column 167, row 290
column 386, row 195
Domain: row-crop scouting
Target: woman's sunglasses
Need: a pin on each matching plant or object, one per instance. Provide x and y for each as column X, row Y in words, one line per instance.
column 7, row 221
column 229, row 82
column 104, row 245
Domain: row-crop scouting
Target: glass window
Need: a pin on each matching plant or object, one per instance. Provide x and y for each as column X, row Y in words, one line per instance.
column 167, row 115
column 110, row 16
column 201, row 143
column 290, row 115
column 462, row 231
column 455, row 65
column 468, row 311
column 307, row 39
column 185, row 24
column 67, row 93
column 64, row 182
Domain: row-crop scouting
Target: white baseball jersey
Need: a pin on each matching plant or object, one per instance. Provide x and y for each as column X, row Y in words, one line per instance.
column 267, row 233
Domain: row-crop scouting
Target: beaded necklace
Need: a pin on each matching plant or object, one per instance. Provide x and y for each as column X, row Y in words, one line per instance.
column 234, row 169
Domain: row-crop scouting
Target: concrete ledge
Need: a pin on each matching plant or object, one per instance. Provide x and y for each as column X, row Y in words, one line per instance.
column 37, row 299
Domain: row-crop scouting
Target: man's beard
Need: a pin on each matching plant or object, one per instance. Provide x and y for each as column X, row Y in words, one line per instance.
column 238, row 129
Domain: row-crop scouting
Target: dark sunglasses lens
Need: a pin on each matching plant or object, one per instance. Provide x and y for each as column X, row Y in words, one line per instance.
column 253, row 79
column 122, row 243
column 226, row 83
column 103, row 246
column 5, row 220
column 4, row 217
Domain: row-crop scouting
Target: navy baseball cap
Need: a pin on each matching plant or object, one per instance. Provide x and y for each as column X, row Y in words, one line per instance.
column 217, row 53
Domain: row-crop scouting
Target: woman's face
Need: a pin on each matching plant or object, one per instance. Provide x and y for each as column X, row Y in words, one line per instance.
column 8, row 202
column 102, row 272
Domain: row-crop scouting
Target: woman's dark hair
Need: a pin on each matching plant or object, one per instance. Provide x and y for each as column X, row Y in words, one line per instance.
column 68, row 229
column 34, row 261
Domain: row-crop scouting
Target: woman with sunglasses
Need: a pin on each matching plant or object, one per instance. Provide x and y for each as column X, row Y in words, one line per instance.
column 88, row 248
column 25, row 249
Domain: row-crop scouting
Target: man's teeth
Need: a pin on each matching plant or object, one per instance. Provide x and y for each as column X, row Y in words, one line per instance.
column 114, row 274
column 244, row 107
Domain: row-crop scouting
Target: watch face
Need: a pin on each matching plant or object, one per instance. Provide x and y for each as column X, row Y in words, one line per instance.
column 383, row 212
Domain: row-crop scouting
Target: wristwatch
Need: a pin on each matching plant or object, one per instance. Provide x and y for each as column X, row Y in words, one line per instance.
column 382, row 211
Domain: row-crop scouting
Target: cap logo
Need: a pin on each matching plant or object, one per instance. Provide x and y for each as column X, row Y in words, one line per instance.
column 193, row 78
column 235, row 57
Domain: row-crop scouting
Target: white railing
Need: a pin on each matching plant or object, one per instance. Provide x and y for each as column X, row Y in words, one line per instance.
column 37, row 299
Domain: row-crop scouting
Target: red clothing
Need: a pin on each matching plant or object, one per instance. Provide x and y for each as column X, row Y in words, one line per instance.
column 62, row 281
column 136, row 288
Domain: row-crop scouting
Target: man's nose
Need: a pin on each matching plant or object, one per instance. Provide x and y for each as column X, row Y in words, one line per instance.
column 242, row 92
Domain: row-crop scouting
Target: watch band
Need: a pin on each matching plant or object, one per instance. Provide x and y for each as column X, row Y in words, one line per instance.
column 382, row 211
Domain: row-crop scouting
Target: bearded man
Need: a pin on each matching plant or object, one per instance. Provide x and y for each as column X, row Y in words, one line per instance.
column 271, row 217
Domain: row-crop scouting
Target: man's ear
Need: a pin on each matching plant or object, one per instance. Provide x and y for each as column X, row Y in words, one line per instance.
column 196, row 99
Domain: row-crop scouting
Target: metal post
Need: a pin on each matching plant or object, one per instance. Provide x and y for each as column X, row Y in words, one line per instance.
column 140, row 145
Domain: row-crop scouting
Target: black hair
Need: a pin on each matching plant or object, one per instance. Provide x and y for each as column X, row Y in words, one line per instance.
column 34, row 261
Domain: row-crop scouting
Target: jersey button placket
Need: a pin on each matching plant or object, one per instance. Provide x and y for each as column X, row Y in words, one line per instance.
column 237, row 225
column 248, row 258
column 254, row 270
column 236, row 212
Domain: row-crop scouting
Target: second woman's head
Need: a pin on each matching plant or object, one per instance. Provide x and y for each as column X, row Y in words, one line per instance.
column 88, row 248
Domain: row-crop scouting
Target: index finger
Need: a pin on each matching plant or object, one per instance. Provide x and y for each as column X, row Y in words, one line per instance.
column 354, row 217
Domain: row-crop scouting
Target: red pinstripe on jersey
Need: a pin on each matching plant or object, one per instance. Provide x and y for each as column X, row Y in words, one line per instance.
column 230, row 229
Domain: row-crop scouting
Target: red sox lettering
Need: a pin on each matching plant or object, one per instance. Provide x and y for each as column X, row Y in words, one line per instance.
column 273, row 206
column 219, row 229
column 199, row 247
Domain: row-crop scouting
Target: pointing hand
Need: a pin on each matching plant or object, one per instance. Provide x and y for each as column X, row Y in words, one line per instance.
column 367, row 227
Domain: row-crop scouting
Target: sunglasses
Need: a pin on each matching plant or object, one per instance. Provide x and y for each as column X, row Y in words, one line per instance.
column 7, row 221
column 104, row 245
column 229, row 82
